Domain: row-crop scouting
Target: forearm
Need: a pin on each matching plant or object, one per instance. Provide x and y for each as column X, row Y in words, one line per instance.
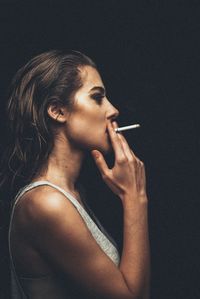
column 135, row 261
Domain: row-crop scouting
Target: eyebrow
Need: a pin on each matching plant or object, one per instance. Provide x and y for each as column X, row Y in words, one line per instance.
column 99, row 88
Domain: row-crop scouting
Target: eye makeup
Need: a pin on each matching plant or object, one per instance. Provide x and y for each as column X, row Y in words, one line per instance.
column 98, row 93
column 98, row 97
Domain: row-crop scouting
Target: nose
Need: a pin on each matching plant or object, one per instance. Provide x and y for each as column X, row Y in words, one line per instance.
column 112, row 112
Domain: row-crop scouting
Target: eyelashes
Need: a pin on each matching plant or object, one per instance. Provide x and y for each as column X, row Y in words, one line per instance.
column 98, row 97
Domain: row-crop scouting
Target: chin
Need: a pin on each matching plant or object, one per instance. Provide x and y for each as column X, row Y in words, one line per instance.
column 106, row 149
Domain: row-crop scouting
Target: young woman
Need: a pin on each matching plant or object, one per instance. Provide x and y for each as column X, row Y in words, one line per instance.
column 57, row 112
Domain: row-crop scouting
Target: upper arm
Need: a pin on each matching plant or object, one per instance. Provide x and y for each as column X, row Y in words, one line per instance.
column 60, row 233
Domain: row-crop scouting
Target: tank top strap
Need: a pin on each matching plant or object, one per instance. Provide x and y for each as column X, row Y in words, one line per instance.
column 85, row 211
column 32, row 185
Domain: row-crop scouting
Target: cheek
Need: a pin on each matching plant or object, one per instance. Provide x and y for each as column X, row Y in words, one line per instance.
column 82, row 128
column 88, row 133
column 88, row 121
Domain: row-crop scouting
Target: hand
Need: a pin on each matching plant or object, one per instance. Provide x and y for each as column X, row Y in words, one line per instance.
column 128, row 173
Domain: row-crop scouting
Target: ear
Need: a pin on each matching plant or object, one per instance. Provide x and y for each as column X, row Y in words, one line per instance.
column 57, row 111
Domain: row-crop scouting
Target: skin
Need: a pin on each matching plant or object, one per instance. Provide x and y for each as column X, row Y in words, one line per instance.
column 44, row 211
column 83, row 129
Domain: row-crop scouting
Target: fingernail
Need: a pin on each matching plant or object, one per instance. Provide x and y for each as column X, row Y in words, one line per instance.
column 95, row 154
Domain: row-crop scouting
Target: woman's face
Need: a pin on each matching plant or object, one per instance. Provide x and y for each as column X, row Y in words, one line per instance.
column 87, row 125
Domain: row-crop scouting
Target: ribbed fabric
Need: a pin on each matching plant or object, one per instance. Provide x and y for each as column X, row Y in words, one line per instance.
column 48, row 286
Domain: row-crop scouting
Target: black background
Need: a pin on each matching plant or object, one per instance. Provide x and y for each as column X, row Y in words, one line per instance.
column 148, row 53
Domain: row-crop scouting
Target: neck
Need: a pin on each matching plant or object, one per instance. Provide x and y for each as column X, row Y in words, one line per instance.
column 63, row 166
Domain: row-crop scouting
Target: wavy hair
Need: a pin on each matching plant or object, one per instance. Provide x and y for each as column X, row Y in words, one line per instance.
column 50, row 77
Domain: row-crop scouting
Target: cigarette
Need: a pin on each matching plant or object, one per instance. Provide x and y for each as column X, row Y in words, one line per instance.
column 127, row 128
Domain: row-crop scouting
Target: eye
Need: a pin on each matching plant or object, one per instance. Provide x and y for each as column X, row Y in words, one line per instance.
column 98, row 97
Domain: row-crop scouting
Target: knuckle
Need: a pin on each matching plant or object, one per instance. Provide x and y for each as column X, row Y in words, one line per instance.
column 135, row 161
column 131, row 160
column 142, row 163
column 122, row 160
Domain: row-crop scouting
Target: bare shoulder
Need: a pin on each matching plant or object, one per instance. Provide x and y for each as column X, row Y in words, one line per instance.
column 42, row 204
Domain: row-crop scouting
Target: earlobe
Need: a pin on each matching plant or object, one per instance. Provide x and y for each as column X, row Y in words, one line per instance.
column 56, row 113
column 58, row 118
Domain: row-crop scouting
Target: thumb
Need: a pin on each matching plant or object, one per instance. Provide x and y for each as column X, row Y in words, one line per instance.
column 100, row 161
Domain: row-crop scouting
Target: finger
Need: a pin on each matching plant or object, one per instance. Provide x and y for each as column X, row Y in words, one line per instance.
column 135, row 157
column 100, row 162
column 123, row 139
column 126, row 148
column 115, row 141
column 115, row 125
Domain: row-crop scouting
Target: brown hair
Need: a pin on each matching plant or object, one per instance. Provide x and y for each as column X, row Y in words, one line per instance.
column 48, row 77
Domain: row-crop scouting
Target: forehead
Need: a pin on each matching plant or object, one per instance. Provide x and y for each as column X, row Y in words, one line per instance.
column 90, row 77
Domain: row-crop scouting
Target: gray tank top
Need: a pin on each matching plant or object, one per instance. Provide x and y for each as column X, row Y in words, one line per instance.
column 49, row 286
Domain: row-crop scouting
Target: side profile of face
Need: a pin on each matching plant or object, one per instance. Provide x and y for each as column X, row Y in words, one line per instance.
column 86, row 126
